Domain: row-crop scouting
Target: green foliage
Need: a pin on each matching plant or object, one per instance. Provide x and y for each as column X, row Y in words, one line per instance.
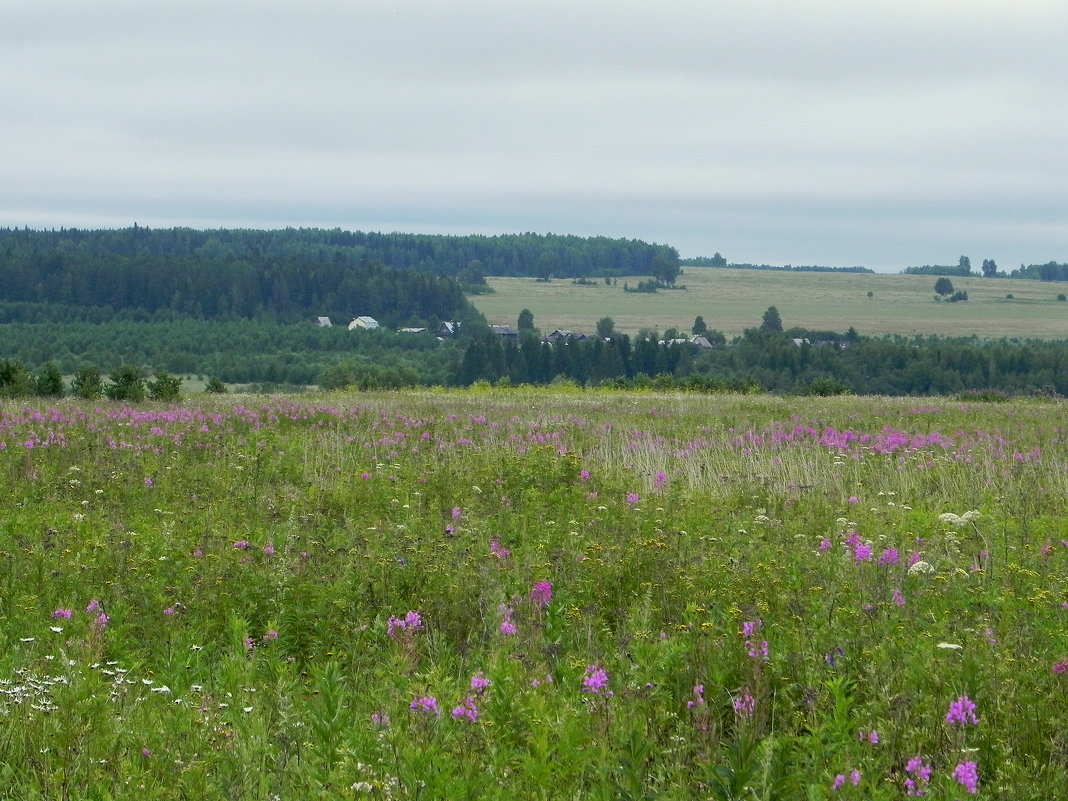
column 215, row 386
column 165, row 387
column 943, row 286
column 15, row 381
column 525, row 321
column 606, row 327
column 771, row 321
column 127, row 384
column 248, row 559
column 48, row 381
column 87, row 383
column 699, row 326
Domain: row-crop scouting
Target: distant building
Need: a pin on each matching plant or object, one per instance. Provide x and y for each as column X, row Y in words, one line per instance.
column 448, row 329
column 368, row 323
column 323, row 322
column 411, row 330
column 563, row 335
column 505, row 332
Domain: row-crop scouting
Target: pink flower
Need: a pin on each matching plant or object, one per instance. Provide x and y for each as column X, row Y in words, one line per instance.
column 596, row 681
column 632, row 498
column 497, row 551
column 1058, row 667
column 62, row 613
column 541, row 594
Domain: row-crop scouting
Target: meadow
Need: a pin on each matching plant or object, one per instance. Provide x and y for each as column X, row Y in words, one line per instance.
column 534, row 594
column 733, row 300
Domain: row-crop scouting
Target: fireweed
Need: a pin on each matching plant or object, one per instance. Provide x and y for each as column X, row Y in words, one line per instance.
column 352, row 493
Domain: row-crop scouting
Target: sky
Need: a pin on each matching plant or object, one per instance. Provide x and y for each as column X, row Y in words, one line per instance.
column 837, row 132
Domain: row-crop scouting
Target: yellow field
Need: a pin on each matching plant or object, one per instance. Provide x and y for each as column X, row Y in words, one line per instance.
column 732, row 300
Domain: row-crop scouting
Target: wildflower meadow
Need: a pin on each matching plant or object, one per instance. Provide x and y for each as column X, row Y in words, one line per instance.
column 534, row 594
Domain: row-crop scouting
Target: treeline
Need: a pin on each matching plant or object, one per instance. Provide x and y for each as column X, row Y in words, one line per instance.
column 283, row 275
column 719, row 261
column 1050, row 271
column 828, row 363
column 238, row 352
column 773, row 362
column 401, row 278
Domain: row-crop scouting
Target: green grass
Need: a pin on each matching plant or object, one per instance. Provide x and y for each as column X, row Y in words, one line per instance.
column 733, row 300
column 249, row 553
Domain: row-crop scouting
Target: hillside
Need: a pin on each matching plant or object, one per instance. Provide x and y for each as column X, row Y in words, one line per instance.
column 733, row 300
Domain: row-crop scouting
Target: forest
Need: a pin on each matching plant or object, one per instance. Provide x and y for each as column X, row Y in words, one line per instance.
column 292, row 274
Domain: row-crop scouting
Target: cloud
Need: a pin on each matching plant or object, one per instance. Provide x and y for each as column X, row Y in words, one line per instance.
column 710, row 125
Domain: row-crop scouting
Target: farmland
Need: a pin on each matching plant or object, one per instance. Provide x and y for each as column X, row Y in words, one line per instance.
column 534, row 594
column 733, row 300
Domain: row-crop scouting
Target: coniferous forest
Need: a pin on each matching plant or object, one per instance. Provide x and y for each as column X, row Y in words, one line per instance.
column 240, row 307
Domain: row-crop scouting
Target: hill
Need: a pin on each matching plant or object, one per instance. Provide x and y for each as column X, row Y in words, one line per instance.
column 733, row 300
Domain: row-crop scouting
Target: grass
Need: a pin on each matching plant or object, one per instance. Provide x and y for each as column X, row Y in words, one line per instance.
column 216, row 601
column 732, row 300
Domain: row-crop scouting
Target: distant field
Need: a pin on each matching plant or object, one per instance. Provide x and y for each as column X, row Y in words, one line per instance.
column 732, row 300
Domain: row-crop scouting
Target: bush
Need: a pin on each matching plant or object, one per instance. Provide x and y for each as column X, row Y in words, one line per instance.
column 126, row 385
column 165, row 387
column 87, row 383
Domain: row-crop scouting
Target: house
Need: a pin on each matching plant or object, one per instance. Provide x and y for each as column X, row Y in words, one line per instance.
column 701, row 342
column 367, row 323
column 323, row 322
column 448, row 329
column 411, row 330
column 505, row 332
column 563, row 335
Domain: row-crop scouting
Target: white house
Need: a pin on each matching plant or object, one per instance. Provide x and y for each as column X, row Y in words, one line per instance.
column 368, row 323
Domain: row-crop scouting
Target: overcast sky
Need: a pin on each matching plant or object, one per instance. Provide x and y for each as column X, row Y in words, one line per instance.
column 836, row 132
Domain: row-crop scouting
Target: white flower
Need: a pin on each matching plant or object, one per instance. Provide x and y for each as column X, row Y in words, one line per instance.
column 921, row 567
column 969, row 516
column 950, row 519
column 950, row 646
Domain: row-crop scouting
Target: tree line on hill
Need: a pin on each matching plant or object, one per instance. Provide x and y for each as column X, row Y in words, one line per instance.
column 767, row 358
column 1050, row 271
column 293, row 273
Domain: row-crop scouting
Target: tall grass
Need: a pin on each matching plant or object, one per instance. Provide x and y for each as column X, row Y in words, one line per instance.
column 669, row 597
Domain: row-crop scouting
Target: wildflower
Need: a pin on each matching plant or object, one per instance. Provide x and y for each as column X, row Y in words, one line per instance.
column 596, row 681
column 148, row 481
column 899, row 599
column 852, row 499
column 871, row 736
column 197, row 553
column 379, row 719
column 584, row 475
column 240, row 544
column 92, row 606
column 921, row 568
column 854, row 777
column 428, row 704
column 269, row 636
column 101, row 622
column 825, row 545
column 411, row 623
column 760, row 652
column 269, row 549
column 888, row 557
column 61, row 613
column 967, row 776
column 456, row 512
column 468, row 710
column 1059, row 667
column 861, row 553
column 508, row 627
column 479, row 683
column 744, row 705
column 698, row 697
column 839, row 780
column 632, row 498
column 146, row 753
column 170, row 611
column 919, row 776
column 961, row 711
column 497, row 551
column 659, row 481
column 541, row 594
column 249, row 644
